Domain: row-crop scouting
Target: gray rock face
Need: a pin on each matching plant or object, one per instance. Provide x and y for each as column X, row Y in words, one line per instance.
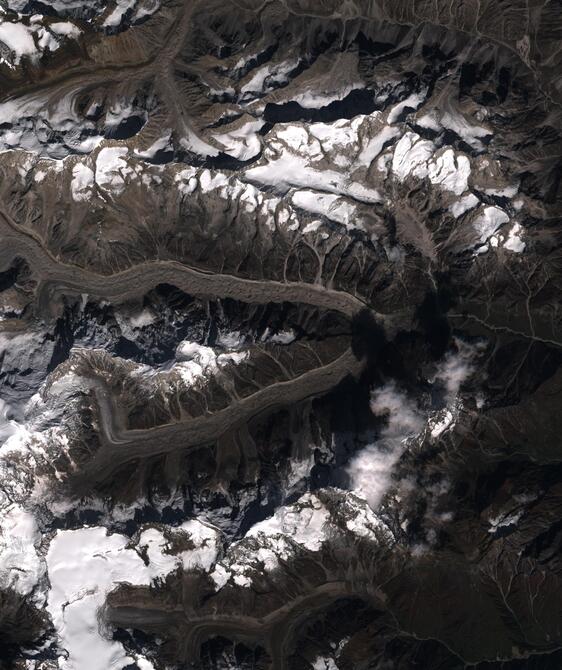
column 280, row 335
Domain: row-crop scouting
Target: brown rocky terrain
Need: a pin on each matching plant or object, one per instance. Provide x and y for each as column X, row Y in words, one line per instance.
column 280, row 335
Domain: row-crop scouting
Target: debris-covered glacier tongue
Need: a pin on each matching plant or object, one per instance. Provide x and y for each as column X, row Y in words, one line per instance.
column 280, row 335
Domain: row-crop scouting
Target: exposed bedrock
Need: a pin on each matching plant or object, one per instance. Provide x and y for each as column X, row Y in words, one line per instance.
column 280, row 335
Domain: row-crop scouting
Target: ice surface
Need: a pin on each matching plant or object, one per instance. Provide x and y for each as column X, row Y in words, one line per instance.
column 450, row 171
column 411, row 156
column 116, row 16
column 290, row 170
column 304, row 523
column 161, row 144
column 20, row 565
column 376, row 144
column 413, row 101
column 65, row 28
column 472, row 134
column 331, row 206
column 514, row 242
column 85, row 564
column 504, row 520
column 268, row 77
column 489, row 221
column 192, row 142
column 463, row 205
column 112, row 168
column 82, row 182
column 242, row 143
column 416, row 156
column 18, row 38
column 311, row 99
column 441, row 424
column 324, row 663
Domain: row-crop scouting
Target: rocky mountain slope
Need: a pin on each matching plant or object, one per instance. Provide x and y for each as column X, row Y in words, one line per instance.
column 280, row 335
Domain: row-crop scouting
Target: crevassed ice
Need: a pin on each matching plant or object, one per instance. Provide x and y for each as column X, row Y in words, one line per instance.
column 84, row 565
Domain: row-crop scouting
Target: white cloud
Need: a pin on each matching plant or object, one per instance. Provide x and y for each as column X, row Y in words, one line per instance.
column 371, row 470
column 455, row 369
